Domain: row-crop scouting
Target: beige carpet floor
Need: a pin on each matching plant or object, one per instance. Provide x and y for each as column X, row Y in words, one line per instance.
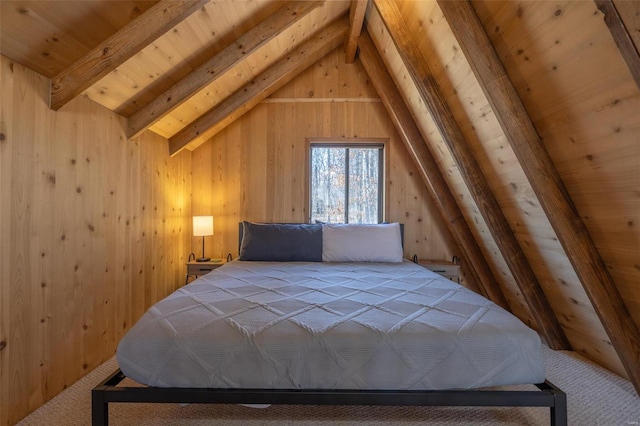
column 595, row 397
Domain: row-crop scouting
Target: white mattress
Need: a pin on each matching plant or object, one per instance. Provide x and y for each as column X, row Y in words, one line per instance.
column 329, row 326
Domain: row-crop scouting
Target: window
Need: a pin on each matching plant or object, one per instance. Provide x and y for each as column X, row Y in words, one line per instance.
column 346, row 183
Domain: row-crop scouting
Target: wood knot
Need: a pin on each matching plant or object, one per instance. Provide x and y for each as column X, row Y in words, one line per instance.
column 3, row 345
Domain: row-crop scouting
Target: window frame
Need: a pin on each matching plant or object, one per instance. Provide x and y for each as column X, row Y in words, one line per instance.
column 379, row 143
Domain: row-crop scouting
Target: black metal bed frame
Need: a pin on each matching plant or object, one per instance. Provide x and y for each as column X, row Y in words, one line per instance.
column 108, row 391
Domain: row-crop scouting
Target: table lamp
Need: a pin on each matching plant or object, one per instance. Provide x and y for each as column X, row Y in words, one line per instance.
column 202, row 226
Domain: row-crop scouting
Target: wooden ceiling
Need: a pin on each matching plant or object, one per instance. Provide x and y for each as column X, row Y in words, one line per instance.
column 185, row 70
column 178, row 64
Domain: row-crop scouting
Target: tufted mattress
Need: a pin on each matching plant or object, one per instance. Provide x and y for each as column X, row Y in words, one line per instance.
column 319, row 325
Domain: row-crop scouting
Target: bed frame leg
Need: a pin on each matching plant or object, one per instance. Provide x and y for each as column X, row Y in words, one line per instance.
column 559, row 409
column 99, row 408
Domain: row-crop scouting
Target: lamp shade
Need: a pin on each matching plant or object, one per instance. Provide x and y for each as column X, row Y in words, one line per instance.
column 202, row 225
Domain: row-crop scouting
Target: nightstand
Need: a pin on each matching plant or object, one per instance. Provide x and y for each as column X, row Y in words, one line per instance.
column 442, row 267
column 195, row 269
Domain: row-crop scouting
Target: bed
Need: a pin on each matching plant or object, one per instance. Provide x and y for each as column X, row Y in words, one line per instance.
column 324, row 314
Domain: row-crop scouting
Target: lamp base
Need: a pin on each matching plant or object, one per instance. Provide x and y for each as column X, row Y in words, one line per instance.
column 203, row 259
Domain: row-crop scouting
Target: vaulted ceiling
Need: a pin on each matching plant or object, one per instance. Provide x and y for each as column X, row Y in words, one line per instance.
column 185, row 70
column 165, row 65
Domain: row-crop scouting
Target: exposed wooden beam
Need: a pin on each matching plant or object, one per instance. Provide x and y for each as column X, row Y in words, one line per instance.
column 121, row 46
column 218, row 65
column 261, row 87
column 356, row 19
column 428, row 168
column 471, row 172
column 629, row 12
column 546, row 182
column 621, row 36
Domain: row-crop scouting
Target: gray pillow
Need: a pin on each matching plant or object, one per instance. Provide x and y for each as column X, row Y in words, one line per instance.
column 276, row 242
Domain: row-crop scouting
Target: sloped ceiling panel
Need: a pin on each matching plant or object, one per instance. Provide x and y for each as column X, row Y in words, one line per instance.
column 258, row 89
column 54, row 40
column 175, row 54
column 505, row 176
column 463, row 152
column 252, row 66
column 446, row 163
column 546, row 182
column 587, row 116
column 190, row 43
column 428, row 169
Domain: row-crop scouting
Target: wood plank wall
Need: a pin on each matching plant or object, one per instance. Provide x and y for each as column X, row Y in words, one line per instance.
column 93, row 230
column 256, row 169
column 556, row 62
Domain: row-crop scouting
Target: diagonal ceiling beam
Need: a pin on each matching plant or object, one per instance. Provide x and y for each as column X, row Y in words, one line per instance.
column 261, row 87
column 356, row 20
column 629, row 12
column 546, row 182
column 471, row 172
column 621, row 36
column 428, row 167
column 121, row 46
column 218, row 65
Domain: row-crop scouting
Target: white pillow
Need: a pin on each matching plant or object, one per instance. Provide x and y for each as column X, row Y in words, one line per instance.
column 361, row 243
